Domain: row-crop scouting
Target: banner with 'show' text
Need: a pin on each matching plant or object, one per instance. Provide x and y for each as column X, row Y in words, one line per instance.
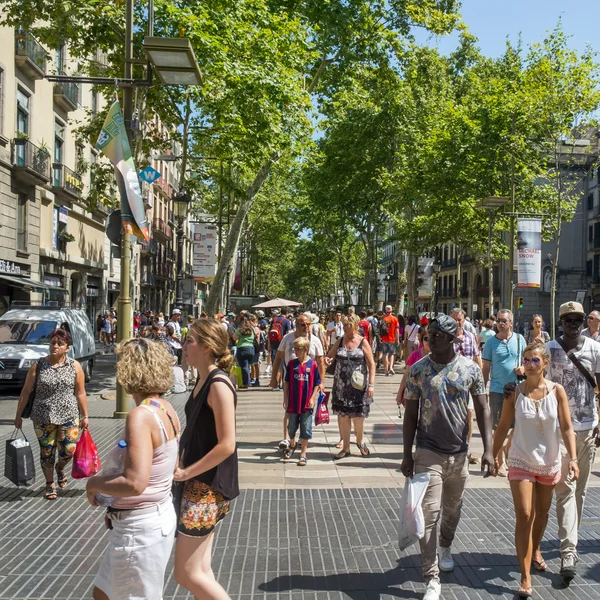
column 204, row 265
column 529, row 252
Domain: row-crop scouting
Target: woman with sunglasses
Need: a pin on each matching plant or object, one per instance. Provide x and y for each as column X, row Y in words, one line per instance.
column 540, row 412
column 415, row 356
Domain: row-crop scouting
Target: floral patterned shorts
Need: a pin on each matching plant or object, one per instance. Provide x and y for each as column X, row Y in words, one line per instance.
column 201, row 509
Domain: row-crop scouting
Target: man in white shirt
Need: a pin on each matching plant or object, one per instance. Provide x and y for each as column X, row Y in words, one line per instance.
column 175, row 322
column 570, row 495
column 335, row 329
column 592, row 330
column 285, row 353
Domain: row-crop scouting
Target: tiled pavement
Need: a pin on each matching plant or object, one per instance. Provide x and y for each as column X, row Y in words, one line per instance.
column 327, row 530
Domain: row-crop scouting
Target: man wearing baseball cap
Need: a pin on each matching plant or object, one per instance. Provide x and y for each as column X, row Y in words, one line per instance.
column 437, row 398
column 575, row 364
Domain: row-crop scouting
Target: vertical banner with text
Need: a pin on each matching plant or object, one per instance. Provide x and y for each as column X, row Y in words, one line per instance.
column 205, row 252
column 529, row 252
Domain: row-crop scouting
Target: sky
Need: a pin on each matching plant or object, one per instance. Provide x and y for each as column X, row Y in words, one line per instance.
column 493, row 20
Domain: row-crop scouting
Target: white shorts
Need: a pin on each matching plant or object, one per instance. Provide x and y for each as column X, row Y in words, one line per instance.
column 139, row 548
column 470, row 405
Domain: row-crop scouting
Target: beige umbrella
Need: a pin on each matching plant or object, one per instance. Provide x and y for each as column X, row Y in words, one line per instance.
column 278, row 303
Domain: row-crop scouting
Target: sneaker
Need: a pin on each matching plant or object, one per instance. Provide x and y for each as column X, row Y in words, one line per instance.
column 433, row 590
column 284, row 444
column 255, row 383
column 568, row 567
column 392, row 372
column 446, row 563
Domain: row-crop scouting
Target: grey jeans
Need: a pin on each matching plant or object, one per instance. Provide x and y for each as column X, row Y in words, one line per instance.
column 449, row 476
column 570, row 495
column 496, row 402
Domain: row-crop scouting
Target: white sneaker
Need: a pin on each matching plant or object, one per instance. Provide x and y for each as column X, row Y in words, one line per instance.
column 433, row 590
column 446, row 563
column 392, row 372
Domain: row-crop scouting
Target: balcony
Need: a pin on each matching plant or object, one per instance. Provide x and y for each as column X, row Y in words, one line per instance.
column 171, row 218
column 164, row 271
column 171, row 255
column 66, row 183
column 148, row 279
column 30, row 57
column 161, row 230
column 66, row 95
column 31, row 165
column 449, row 263
column 164, row 187
column 467, row 259
column 447, row 293
column 150, row 247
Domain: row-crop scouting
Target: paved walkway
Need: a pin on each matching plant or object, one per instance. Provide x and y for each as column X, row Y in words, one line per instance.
column 326, row 531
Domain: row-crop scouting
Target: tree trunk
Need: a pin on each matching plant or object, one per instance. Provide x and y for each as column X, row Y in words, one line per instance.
column 557, row 251
column 412, row 274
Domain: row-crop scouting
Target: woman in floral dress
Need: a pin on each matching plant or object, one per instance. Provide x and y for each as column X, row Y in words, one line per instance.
column 351, row 402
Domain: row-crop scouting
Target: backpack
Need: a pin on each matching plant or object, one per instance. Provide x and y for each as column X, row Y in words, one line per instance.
column 102, row 322
column 384, row 328
column 364, row 328
column 276, row 331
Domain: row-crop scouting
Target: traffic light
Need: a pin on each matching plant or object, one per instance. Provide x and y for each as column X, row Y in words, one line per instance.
column 405, row 299
column 520, row 303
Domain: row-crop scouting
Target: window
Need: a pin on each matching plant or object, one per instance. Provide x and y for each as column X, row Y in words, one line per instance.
column 22, row 222
column 93, row 160
column 60, row 59
column 1, row 101
column 596, row 272
column 591, row 233
column 94, row 103
column 590, row 202
column 547, row 279
column 588, row 268
column 22, row 112
column 59, row 142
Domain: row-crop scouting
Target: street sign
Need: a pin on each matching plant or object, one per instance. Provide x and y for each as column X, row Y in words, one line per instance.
column 475, row 308
column 149, row 174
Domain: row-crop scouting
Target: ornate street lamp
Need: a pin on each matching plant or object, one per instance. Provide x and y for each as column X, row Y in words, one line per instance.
column 181, row 202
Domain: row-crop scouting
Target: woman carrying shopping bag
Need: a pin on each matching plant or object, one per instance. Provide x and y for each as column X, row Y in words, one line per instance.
column 59, row 408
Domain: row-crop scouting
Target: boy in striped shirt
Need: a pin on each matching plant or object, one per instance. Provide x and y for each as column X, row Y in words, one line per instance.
column 300, row 393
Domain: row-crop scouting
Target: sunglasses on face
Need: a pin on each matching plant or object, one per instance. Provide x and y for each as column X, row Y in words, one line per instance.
column 590, row 318
column 534, row 361
column 569, row 321
column 503, row 320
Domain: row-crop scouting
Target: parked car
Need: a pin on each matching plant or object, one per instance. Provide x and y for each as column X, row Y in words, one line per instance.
column 25, row 336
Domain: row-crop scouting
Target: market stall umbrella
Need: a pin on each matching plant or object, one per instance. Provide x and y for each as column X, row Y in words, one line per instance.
column 278, row 303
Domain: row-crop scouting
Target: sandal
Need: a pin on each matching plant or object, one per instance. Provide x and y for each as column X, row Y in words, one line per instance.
column 287, row 454
column 473, row 460
column 342, row 454
column 340, row 444
column 363, row 449
column 525, row 592
column 302, row 462
column 539, row 565
column 50, row 493
column 61, row 478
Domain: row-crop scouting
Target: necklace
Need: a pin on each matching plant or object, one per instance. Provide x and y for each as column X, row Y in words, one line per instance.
column 158, row 405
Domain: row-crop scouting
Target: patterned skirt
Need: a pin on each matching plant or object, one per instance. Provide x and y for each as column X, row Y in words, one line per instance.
column 201, row 509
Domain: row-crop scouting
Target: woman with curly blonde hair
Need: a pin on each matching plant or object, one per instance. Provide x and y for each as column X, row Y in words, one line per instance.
column 141, row 515
column 208, row 463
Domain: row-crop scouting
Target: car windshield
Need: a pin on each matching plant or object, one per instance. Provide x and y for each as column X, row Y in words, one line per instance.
column 26, row 332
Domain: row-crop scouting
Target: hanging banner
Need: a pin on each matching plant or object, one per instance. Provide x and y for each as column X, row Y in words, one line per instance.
column 115, row 145
column 204, row 265
column 529, row 252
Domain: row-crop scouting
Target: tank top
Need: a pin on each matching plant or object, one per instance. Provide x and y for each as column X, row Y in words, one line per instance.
column 200, row 437
column 535, row 445
column 55, row 402
column 164, row 460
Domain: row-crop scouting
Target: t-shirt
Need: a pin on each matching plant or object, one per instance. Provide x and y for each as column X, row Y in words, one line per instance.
column 176, row 328
column 366, row 327
column 302, row 379
column 586, row 333
column 412, row 332
column 338, row 330
column 415, row 357
column 504, row 356
column 468, row 326
column 287, row 346
column 486, row 334
column 245, row 340
column 392, row 325
column 581, row 395
column 443, row 395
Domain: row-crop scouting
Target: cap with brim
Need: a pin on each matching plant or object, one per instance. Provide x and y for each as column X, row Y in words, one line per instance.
column 571, row 308
column 447, row 325
column 231, row 315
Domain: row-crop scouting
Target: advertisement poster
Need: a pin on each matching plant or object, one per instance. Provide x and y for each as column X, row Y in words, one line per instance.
column 529, row 252
column 205, row 252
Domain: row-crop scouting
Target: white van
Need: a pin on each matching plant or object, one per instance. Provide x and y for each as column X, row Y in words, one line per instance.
column 25, row 337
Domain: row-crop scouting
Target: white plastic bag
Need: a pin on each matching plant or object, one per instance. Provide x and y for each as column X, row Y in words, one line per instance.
column 412, row 522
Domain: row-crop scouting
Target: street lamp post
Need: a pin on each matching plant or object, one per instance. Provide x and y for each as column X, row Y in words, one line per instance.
column 181, row 201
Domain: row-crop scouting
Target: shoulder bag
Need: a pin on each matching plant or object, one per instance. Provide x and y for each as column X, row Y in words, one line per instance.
column 577, row 363
column 26, row 414
column 330, row 370
column 358, row 380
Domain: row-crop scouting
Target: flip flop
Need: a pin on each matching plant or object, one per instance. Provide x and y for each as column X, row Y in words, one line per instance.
column 363, row 449
column 525, row 592
column 287, row 454
column 539, row 565
column 61, row 478
column 50, row 493
column 342, row 454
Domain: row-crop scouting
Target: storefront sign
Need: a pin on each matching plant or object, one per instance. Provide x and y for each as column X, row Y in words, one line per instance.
column 205, row 251
column 529, row 252
column 92, row 292
column 63, row 215
column 53, row 280
column 113, row 286
column 10, row 268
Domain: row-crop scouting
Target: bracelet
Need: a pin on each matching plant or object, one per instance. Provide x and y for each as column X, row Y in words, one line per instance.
column 573, row 460
column 84, row 417
column 371, row 385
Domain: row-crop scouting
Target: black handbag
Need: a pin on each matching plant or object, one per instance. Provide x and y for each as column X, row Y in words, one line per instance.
column 19, row 466
column 26, row 414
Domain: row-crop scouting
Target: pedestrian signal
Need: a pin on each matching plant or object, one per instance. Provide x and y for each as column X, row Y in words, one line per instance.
column 520, row 303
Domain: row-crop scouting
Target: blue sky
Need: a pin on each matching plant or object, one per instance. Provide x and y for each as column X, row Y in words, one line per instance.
column 493, row 20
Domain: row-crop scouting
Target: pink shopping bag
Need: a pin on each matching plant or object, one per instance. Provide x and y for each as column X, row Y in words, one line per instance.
column 86, row 461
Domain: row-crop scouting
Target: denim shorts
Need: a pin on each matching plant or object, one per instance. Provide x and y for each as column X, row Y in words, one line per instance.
column 388, row 348
column 304, row 421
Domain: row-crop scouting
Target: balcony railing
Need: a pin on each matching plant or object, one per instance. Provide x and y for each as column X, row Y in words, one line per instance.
column 148, row 278
column 467, row 259
column 29, row 54
column 33, row 162
column 171, row 255
column 66, row 95
column 450, row 262
column 171, row 217
column 158, row 225
column 66, row 180
column 165, row 271
column 164, row 186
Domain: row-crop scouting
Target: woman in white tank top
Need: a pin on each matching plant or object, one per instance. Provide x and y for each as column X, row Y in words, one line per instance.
column 539, row 410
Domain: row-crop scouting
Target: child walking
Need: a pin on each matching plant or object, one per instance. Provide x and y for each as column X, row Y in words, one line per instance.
column 300, row 392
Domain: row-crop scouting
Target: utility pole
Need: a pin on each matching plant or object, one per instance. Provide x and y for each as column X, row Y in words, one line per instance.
column 124, row 326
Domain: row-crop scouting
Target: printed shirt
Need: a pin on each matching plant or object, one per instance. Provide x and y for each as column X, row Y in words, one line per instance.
column 392, row 326
column 504, row 356
column 581, row 395
column 443, row 395
column 302, row 379
column 469, row 348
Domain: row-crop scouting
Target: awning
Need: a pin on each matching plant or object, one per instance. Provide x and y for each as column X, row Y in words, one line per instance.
column 31, row 284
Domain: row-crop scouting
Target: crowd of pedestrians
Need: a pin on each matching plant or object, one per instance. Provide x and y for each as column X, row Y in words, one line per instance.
column 533, row 398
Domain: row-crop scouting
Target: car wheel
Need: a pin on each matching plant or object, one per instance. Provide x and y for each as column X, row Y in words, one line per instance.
column 87, row 371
